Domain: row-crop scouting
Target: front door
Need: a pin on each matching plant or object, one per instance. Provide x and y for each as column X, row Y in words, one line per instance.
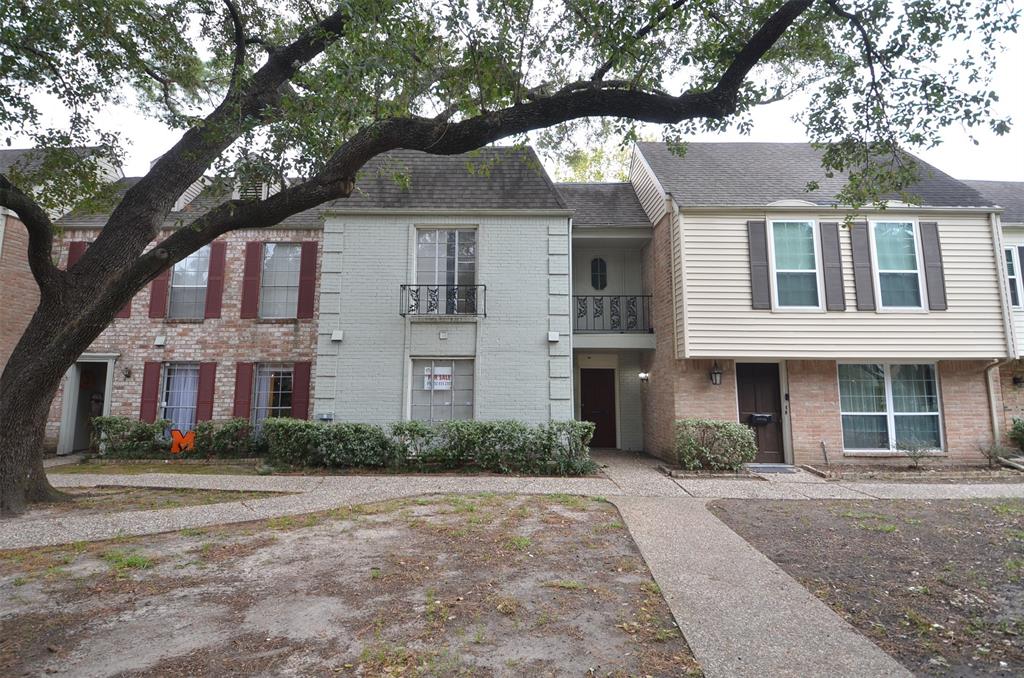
column 760, row 401
column 597, row 404
column 92, row 392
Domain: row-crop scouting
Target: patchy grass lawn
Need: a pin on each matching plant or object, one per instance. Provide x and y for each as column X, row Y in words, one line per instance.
column 156, row 467
column 484, row 585
column 937, row 584
column 109, row 498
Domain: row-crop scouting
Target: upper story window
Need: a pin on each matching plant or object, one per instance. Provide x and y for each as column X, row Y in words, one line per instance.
column 1013, row 276
column 446, row 271
column 188, row 285
column 598, row 273
column 279, row 280
column 179, row 395
column 897, row 264
column 889, row 407
column 795, row 264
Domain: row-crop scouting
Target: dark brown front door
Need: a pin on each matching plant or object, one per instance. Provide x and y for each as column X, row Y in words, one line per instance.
column 597, row 404
column 760, row 399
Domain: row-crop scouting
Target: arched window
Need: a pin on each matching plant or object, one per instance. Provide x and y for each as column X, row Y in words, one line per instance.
column 598, row 273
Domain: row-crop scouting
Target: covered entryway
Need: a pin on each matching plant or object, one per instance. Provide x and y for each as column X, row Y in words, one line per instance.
column 759, row 393
column 597, row 404
column 86, row 395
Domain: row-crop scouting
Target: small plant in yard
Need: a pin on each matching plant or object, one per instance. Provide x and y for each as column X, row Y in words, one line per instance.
column 915, row 451
column 713, row 445
column 518, row 543
column 994, row 453
column 121, row 561
column 507, row 606
column 567, row 584
column 1016, row 433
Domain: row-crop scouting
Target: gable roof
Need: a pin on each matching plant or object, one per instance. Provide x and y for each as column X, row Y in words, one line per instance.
column 490, row 178
column 749, row 174
column 604, row 204
column 1007, row 194
column 29, row 159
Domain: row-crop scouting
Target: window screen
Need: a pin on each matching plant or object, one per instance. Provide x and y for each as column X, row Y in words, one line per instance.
column 796, row 264
column 896, row 257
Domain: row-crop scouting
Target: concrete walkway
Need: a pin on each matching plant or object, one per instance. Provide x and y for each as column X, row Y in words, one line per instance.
column 742, row 615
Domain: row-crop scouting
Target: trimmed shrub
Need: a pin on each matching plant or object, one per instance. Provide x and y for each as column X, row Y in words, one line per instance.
column 231, row 439
column 713, row 445
column 293, row 442
column 127, row 438
column 347, row 445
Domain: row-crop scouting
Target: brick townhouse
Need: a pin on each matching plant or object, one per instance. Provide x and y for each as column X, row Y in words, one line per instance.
column 710, row 284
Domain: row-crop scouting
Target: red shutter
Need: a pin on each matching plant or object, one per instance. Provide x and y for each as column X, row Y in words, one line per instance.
column 243, row 390
column 150, row 392
column 75, row 251
column 300, row 390
column 126, row 311
column 215, row 279
column 158, row 295
column 204, row 395
column 307, row 280
column 251, row 280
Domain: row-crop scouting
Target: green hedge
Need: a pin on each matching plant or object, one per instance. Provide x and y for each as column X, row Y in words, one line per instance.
column 713, row 445
column 556, row 448
column 128, row 438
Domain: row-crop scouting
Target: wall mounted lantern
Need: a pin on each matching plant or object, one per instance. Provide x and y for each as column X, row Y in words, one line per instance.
column 716, row 374
column 644, row 376
column 1018, row 380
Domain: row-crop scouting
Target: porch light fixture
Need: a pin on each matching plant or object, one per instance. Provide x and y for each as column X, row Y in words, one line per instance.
column 644, row 376
column 716, row 374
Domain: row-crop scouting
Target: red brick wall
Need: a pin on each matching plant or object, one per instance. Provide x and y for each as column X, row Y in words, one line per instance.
column 965, row 405
column 18, row 290
column 225, row 340
column 814, row 411
column 1012, row 396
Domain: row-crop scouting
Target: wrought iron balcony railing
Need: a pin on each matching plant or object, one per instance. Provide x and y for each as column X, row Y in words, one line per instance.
column 443, row 300
column 613, row 313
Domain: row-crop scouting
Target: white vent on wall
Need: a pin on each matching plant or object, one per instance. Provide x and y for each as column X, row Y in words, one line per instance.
column 252, row 190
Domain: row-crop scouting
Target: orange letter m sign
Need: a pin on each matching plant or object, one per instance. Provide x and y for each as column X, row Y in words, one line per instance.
column 182, row 443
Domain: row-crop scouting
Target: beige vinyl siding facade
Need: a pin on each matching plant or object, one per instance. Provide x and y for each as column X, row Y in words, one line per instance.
column 714, row 293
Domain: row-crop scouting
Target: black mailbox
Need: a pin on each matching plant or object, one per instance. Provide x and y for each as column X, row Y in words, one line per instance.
column 760, row 419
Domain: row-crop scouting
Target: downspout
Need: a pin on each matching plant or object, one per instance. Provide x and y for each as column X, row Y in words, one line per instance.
column 1008, row 327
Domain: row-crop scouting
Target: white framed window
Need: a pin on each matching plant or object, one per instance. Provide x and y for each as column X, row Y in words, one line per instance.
column 446, row 270
column 1013, row 276
column 442, row 389
column 179, row 394
column 187, row 296
column 279, row 279
column 897, row 264
column 796, row 273
column 887, row 408
column 272, row 392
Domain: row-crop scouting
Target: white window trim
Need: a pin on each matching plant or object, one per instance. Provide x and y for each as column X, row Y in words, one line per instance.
column 1015, row 279
column 164, row 369
column 876, row 272
column 263, row 272
column 415, row 262
column 413, row 376
column 773, row 282
column 890, row 414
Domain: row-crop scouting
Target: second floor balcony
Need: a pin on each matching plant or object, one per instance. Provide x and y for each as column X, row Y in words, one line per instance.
column 612, row 314
column 443, row 300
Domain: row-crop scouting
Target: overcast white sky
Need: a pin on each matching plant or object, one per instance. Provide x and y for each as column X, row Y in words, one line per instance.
column 993, row 158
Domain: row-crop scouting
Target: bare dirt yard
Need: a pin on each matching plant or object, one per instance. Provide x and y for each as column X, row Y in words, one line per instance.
column 937, row 584
column 484, row 585
column 108, row 498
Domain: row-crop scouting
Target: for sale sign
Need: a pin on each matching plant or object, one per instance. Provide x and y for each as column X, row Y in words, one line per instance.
column 438, row 379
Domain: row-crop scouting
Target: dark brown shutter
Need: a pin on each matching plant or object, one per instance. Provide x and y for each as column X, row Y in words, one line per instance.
column 204, row 394
column 158, row 295
column 251, row 280
column 300, row 390
column 760, row 286
column 934, row 275
column 307, row 280
column 150, row 392
column 832, row 266
column 75, row 251
column 863, row 279
column 215, row 279
column 243, row 390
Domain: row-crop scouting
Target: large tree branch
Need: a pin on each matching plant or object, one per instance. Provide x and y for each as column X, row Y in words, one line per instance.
column 40, row 233
column 240, row 42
